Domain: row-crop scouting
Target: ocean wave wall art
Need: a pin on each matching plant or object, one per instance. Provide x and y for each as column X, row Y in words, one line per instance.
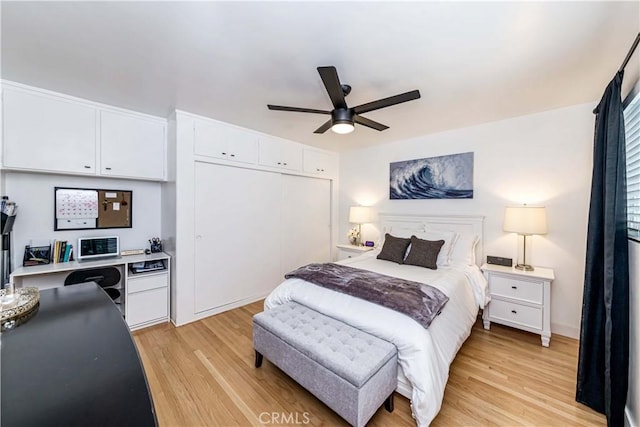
column 443, row 177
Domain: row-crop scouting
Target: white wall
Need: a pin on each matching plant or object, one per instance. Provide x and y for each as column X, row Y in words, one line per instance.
column 34, row 195
column 543, row 159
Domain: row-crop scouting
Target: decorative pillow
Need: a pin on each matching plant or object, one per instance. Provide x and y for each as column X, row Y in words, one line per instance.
column 424, row 253
column 449, row 238
column 394, row 248
column 464, row 251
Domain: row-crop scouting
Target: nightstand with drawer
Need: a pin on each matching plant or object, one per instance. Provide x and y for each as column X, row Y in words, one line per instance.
column 520, row 299
column 351, row 251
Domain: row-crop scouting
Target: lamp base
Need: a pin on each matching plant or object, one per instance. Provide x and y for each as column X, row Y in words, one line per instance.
column 525, row 267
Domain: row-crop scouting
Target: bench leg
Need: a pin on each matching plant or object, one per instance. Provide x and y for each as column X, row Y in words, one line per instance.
column 388, row 404
column 258, row 359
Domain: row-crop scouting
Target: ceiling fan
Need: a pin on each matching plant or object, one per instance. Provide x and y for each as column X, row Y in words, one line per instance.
column 342, row 117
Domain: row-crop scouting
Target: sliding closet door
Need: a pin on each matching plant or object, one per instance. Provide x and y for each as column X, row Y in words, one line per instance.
column 237, row 234
column 306, row 219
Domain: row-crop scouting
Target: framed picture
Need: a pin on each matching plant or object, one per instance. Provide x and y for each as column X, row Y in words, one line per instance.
column 443, row 177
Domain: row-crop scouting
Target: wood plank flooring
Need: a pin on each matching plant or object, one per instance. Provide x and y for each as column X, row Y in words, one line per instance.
column 202, row 374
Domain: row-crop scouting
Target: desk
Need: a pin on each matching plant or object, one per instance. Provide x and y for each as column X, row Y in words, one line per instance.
column 74, row 363
column 146, row 295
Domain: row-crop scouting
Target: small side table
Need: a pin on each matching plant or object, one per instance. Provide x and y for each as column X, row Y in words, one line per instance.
column 351, row 251
column 520, row 299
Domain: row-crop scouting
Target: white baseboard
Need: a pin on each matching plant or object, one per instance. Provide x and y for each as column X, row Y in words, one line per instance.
column 221, row 309
column 565, row 330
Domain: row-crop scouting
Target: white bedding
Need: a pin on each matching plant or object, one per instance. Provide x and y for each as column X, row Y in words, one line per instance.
column 424, row 355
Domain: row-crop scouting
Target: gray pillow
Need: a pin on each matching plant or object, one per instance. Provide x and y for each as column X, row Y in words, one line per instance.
column 394, row 248
column 424, row 253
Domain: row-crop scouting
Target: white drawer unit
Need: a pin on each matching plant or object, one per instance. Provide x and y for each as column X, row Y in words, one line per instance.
column 148, row 296
column 520, row 299
column 351, row 251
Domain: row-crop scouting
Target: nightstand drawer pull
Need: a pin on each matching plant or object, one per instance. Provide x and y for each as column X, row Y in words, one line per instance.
column 514, row 287
column 514, row 312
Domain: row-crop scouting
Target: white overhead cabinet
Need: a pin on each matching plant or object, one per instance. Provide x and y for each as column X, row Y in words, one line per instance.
column 220, row 141
column 318, row 162
column 45, row 133
column 131, row 146
column 280, row 154
column 48, row 132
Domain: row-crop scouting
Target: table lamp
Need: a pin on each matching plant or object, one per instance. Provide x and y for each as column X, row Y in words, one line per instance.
column 359, row 215
column 527, row 221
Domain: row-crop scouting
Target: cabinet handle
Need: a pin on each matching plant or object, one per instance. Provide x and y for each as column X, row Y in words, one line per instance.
column 233, row 155
column 224, row 154
column 514, row 312
column 321, row 170
column 514, row 287
column 87, row 167
column 279, row 163
column 108, row 169
column 285, row 163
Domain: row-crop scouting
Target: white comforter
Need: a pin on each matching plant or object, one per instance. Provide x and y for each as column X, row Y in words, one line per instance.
column 424, row 355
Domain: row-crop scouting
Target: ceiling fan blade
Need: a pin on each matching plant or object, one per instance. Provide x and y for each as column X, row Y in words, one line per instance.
column 387, row 102
column 296, row 109
column 325, row 127
column 369, row 123
column 329, row 77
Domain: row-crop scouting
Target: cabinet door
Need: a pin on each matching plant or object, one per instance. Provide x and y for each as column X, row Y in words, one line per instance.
column 237, row 234
column 280, row 154
column 45, row 133
column 306, row 221
column 318, row 162
column 225, row 142
column 132, row 146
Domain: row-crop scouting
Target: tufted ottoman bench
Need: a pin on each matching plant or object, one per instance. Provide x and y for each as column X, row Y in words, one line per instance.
column 352, row 372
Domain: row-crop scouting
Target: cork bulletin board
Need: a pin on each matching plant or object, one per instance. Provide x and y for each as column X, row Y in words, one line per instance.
column 83, row 208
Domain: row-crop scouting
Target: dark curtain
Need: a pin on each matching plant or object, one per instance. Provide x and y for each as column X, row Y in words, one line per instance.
column 603, row 363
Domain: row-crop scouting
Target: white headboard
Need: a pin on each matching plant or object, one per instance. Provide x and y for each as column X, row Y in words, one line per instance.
column 417, row 223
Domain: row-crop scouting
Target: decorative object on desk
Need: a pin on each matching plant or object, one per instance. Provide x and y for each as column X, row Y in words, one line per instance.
column 358, row 215
column 37, row 255
column 155, row 244
column 526, row 221
column 17, row 306
column 128, row 252
column 82, row 208
column 443, row 177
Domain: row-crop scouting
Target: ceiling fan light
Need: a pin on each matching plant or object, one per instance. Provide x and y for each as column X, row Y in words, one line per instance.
column 342, row 128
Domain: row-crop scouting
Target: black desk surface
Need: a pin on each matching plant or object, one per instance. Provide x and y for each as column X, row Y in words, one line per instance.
column 74, row 363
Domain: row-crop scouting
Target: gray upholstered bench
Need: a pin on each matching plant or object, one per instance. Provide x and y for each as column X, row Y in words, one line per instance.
column 352, row 372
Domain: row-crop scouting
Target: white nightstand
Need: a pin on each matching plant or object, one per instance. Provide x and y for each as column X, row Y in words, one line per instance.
column 520, row 299
column 351, row 251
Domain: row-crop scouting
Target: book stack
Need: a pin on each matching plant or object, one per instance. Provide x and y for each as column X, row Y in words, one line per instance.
column 62, row 251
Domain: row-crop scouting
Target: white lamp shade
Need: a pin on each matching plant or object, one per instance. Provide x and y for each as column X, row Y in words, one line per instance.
column 360, row 214
column 525, row 220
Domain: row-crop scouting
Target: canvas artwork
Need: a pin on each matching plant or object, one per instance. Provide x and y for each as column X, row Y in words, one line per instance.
column 443, row 177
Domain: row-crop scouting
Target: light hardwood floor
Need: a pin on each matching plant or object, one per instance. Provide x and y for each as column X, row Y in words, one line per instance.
column 202, row 374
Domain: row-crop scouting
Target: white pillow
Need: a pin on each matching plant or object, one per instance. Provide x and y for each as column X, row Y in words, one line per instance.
column 464, row 251
column 449, row 237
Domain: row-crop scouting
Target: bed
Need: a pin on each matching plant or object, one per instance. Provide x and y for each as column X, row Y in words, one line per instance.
column 424, row 355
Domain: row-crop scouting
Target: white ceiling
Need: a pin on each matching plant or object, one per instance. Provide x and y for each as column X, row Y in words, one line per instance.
column 472, row 62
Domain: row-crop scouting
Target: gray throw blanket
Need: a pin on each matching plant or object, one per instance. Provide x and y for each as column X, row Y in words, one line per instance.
column 419, row 301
